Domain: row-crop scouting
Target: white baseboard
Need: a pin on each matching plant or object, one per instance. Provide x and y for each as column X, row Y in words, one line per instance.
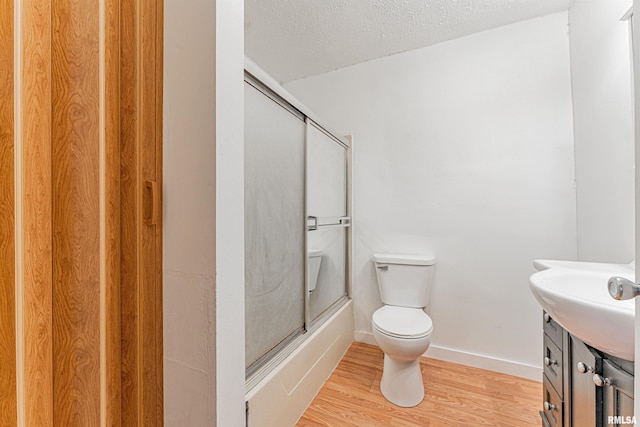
column 481, row 361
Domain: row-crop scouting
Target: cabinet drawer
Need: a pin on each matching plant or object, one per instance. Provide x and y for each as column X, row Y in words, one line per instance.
column 552, row 329
column 552, row 405
column 552, row 364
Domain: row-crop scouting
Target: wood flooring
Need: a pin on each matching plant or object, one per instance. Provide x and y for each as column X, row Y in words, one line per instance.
column 455, row 395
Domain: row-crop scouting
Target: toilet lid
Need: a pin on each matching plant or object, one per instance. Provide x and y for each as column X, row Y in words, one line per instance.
column 402, row 322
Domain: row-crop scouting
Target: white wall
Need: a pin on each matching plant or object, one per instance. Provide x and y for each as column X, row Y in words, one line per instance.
column 465, row 150
column 203, row 184
column 189, row 214
column 601, row 83
column 636, row 122
column 229, row 189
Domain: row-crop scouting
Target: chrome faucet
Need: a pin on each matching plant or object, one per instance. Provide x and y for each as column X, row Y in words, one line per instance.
column 621, row 288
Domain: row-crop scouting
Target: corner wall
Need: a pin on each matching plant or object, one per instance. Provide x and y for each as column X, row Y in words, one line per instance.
column 189, row 213
column 465, row 150
column 203, row 168
column 603, row 126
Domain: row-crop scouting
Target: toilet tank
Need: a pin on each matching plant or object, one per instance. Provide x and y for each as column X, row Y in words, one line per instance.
column 315, row 261
column 404, row 280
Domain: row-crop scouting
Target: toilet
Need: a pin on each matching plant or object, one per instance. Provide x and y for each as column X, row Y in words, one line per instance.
column 315, row 261
column 401, row 327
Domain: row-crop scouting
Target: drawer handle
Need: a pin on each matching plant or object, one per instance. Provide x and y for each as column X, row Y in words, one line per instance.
column 549, row 406
column 601, row 381
column 549, row 361
column 154, row 216
column 547, row 318
column 583, row 368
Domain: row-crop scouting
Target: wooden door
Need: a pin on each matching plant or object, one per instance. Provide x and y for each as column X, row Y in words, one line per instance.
column 141, row 219
column 8, row 390
column 80, row 220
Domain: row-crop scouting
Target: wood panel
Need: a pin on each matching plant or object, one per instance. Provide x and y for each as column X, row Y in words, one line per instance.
column 35, row 233
column 150, row 307
column 141, row 291
column 455, row 395
column 129, row 213
column 112, row 396
column 76, row 212
column 158, row 34
column 8, row 401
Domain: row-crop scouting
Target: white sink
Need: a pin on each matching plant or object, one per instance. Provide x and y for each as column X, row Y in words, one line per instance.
column 575, row 295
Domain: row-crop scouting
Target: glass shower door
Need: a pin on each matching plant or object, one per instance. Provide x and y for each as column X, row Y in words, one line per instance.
column 327, row 221
column 274, row 225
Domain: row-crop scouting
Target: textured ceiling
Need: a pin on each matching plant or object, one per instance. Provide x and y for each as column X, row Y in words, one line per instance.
column 293, row 39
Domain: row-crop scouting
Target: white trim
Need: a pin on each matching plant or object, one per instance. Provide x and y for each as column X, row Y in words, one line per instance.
column 489, row 363
column 635, row 60
column 482, row 361
column 229, row 279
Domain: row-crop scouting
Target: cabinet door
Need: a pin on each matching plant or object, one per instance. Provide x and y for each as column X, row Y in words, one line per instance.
column 617, row 395
column 586, row 398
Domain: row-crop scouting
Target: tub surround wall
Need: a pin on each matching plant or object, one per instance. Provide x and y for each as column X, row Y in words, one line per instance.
column 603, row 126
column 466, row 152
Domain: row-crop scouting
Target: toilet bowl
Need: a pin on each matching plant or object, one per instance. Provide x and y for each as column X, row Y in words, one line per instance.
column 401, row 328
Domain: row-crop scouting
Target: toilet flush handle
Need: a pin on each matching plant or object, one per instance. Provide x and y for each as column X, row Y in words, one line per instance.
column 382, row 267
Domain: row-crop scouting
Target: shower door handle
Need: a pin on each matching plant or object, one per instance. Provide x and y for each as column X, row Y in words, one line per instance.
column 314, row 222
column 314, row 225
column 345, row 221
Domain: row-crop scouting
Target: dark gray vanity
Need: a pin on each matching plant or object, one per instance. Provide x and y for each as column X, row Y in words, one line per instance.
column 582, row 386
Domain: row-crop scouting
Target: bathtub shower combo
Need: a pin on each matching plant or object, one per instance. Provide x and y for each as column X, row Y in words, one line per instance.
column 297, row 232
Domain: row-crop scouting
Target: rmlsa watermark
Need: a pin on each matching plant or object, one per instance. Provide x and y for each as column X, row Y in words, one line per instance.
column 620, row 420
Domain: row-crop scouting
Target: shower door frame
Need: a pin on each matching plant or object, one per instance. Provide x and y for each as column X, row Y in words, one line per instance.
column 320, row 318
column 266, row 363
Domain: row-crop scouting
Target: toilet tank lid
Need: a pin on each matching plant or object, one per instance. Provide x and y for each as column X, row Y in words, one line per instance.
column 405, row 259
column 315, row 253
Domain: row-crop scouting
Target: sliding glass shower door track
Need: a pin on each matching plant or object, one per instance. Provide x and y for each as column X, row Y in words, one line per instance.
column 270, row 361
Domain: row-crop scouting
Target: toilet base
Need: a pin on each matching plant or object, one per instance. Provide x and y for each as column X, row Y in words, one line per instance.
column 401, row 382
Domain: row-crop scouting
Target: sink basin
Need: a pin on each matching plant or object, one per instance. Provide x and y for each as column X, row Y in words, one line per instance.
column 575, row 295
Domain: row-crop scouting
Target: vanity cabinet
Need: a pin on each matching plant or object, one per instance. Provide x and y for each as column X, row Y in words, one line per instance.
column 582, row 386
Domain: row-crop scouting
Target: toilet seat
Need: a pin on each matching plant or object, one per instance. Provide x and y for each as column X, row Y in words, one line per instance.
column 402, row 322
